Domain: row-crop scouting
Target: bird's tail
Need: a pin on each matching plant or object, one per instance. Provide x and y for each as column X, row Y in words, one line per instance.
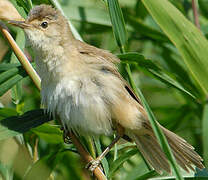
column 149, row 147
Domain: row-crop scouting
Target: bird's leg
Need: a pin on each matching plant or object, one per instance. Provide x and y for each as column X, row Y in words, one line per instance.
column 94, row 163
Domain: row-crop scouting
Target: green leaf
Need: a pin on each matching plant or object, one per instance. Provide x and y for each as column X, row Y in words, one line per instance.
column 50, row 133
column 8, row 66
column 190, row 42
column 99, row 151
column 205, row 134
column 20, row 40
column 5, row 172
column 7, row 112
column 133, row 57
column 117, row 21
column 148, row 175
column 23, row 4
column 15, row 125
column 42, row 169
column 154, row 69
column 29, row 4
column 178, row 68
column 19, row 8
column 118, row 162
column 17, row 89
column 11, row 75
column 4, row 87
column 8, row 74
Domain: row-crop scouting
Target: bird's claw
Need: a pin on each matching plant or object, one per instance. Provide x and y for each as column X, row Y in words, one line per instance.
column 92, row 165
column 66, row 138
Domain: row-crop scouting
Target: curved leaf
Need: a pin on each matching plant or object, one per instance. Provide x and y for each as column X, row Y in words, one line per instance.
column 190, row 42
column 42, row 169
column 50, row 133
column 154, row 69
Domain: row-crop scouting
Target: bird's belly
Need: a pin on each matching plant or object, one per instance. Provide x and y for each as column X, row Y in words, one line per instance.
column 80, row 108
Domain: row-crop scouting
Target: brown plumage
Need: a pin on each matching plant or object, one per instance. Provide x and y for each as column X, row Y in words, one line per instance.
column 81, row 84
column 42, row 12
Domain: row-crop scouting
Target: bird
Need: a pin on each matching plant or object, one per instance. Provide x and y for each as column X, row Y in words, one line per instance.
column 81, row 85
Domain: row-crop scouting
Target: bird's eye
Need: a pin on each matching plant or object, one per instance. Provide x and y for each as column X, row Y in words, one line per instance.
column 44, row 25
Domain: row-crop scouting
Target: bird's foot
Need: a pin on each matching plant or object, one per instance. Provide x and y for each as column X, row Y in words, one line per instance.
column 66, row 138
column 92, row 165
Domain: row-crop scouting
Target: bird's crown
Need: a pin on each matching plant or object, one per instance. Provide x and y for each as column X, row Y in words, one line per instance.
column 42, row 11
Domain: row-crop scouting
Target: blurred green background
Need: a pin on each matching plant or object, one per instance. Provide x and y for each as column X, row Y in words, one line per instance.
column 167, row 56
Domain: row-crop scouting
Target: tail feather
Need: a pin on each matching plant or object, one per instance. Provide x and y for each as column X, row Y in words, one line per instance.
column 160, row 156
column 183, row 149
column 183, row 152
column 152, row 152
column 188, row 154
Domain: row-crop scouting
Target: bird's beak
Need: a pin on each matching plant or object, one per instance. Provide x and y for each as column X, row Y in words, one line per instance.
column 21, row 24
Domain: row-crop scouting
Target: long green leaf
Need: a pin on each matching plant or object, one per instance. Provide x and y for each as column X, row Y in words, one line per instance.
column 42, row 169
column 50, row 133
column 161, row 137
column 15, row 125
column 99, row 151
column 7, row 112
column 118, row 162
column 205, row 134
column 8, row 74
column 117, row 21
column 11, row 75
column 190, row 42
column 4, row 87
column 154, row 69
column 8, row 66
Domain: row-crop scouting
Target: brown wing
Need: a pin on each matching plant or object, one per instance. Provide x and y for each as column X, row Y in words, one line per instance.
column 109, row 58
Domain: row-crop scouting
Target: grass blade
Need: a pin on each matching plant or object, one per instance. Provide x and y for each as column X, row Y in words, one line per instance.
column 205, row 134
column 8, row 74
column 15, row 125
column 99, row 151
column 117, row 21
column 4, row 87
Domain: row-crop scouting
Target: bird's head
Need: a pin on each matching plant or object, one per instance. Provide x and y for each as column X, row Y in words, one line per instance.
column 45, row 26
